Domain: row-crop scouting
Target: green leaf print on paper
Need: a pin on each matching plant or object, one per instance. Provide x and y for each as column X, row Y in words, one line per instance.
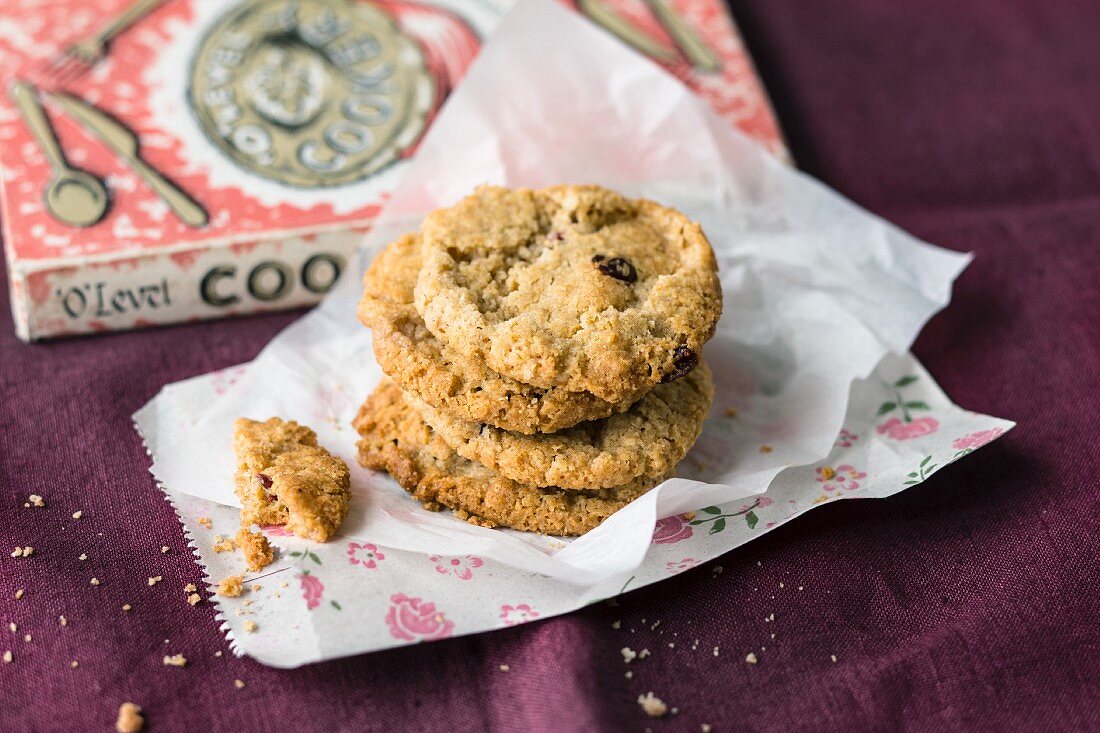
column 898, row 402
column 926, row 469
column 719, row 518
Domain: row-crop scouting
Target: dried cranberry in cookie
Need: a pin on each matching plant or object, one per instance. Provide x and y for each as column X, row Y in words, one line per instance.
column 572, row 286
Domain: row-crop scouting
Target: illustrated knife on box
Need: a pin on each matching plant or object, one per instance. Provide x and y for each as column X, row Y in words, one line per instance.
column 124, row 142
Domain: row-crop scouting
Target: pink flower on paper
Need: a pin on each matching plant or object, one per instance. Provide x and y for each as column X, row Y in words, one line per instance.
column 414, row 620
column 841, row 478
column 226, row 378
column 671, row 530
column 846, row 439
column 276, row 530
column 898, row 430
column 463, row 567
column 366, row 555
column 977, row 440
column 312, row 588
column 686, row 564
column 763, row 501
column 519, row 614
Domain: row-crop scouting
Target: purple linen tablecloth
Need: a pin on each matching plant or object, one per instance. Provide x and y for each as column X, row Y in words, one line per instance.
column 967, row 603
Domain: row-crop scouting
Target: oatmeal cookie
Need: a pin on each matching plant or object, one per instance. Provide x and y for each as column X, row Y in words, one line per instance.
column 649, row 439
column 570, row 286
column 284, row 477
column 394, row 438
column 445, row 379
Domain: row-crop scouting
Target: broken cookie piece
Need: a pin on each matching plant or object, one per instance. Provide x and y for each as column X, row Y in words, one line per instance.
column 257, row 551
column 231, row 587
column 284, row 477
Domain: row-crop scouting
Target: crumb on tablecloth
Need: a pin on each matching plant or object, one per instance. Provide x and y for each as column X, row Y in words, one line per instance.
column 239, row 684
column 7, row 656
column 653, row 706
column 629, row 655
column 36, row 501
column 78, row 514
column 130, row 719
column 155, row 579
column 750, row 658
column 231, row 587
column 126, row 606
column 62, row 620
column 94, row 581
column 190, row 588
column 257, row 551
column 175, row 660
column 250, row 626
column 194, row 598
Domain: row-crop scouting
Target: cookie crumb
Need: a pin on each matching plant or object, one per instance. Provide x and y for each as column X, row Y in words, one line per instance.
column 616, row 624
column 13, row 627
column 62, row 620
column 655, row 625
column 194, row 598
column 175, row 660
column 94, row 581
column 126, row 607
column 130, row 719
column 705, row 728
column 250, row 626
column 18, row 594
column 224, row 544
column 766, row 449
column 833, row 657
column 653, row 706
column 629, row 655
column 643, row 654
column 504, row 668
column 82, row 557
column 205, row 521
column 36, row 500
column 190, row 588
column 231, row 587
column 74, row 664
column 750, row 658
column 164, row 549
column 78, row 514
column 256, row 587
column 629, row 674
column 27, row 638
column 256, row 549
column 283, row 584
column 239, row 684
column 155, row 579
column 731, row 412
column 7, row 657
column 716, row 651
column 218, row 653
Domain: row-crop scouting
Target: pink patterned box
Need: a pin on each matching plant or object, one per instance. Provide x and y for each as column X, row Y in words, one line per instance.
column 195, row 159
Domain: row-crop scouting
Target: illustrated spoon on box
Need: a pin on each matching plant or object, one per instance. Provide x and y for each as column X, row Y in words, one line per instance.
column 124, row 142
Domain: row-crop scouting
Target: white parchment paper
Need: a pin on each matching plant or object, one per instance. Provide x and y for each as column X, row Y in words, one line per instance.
column 818, row 294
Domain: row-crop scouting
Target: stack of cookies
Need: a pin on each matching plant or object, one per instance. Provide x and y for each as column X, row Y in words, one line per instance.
column 542, row 352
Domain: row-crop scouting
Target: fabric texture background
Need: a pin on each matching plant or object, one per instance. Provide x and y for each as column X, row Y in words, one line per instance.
column 968, row 603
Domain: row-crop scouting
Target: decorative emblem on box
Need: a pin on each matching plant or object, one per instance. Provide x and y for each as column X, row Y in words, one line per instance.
column 310, row 93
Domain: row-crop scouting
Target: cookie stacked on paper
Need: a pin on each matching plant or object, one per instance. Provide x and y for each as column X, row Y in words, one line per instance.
column 543, row 352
